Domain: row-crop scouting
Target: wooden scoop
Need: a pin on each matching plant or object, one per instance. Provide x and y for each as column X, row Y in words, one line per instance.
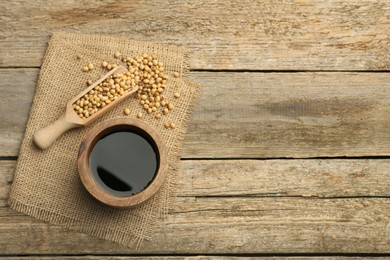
column 70, row 119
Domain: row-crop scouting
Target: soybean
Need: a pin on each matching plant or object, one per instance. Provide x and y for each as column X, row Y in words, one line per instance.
column 103, row 94
column 126, row 111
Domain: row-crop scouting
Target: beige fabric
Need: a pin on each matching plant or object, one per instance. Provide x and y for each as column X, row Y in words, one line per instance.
column 46, row 183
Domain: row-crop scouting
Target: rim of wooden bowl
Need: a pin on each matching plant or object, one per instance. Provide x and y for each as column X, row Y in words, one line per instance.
column 110, row 126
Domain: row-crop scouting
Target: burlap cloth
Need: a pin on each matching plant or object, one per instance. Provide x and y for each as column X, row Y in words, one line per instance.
column 46, row 183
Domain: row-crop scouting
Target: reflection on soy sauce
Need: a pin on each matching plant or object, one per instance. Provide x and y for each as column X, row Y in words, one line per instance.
column 112, row 180
column 123, row 163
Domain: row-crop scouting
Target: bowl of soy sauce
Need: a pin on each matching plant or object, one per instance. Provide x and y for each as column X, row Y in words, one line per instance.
column 122, row 162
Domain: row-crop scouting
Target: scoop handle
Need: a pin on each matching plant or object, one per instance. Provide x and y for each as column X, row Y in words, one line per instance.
column 46, row 136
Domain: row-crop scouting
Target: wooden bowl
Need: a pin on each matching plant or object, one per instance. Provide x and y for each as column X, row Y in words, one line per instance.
column 115, row 125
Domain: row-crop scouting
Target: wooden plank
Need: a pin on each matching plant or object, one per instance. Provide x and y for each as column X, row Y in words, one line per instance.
column 198, row 257
column 290, row 115
column 255, row 115
column 251, row 35
column 227, row 226
column 270, row 178
column 229, row 221
column 18, row 88
column 274, row 178
column 7, row 169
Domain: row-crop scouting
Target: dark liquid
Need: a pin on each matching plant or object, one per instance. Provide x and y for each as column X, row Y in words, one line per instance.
column 123, row 163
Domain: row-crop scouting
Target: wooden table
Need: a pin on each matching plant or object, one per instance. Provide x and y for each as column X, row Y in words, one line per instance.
column 288, row 151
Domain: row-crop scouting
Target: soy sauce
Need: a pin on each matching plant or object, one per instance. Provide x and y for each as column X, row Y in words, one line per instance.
column 124, row 162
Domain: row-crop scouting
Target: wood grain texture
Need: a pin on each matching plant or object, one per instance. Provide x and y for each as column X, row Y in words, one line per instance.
column 255, row 115
column 198, row 257
column 234, row 209
column 269, row 178
column 232, row 35
column 231, row 220
column 227, row 226
column 280, row 178
column 18, row 87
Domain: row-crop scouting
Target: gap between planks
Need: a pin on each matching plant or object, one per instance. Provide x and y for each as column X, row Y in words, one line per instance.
column 206, row 257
